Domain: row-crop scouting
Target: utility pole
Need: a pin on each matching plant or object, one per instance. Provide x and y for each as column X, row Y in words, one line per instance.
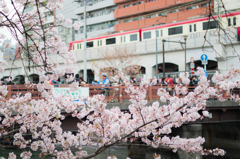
column 163, row 41
column 85, row 46
column 156, row 57
column 219, row 13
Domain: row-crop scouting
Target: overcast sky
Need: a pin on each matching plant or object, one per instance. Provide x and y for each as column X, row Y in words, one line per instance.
column 5, row 30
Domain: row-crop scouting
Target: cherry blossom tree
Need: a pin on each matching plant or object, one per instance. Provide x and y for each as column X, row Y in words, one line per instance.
column 118, row 59
column 42, row 119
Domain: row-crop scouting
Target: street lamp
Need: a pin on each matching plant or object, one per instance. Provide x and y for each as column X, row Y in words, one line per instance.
column 85, row 45
column 185, row 39
column 85, row 49
column 163, row 41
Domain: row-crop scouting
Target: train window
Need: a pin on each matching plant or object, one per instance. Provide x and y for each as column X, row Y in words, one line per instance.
column 77, row 46
column 80, row 45
column 124, row 40
column 89, row 44
column 110, row 41
column 209, row 25
column 100, row 42
column 175, row 30
column 190, row 28
column 161, row 33
column 73, row 46
column 229, row 21
column 234, row 21
column 147, row 35
column 195, row 27
column 133, row 37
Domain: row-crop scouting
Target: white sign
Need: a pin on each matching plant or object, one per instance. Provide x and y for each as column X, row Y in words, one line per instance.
column 192, row 60
column 83, row 92
column 192, row 65
column 204, row 62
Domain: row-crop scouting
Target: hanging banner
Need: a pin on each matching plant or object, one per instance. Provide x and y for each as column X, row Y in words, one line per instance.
column 83, row 92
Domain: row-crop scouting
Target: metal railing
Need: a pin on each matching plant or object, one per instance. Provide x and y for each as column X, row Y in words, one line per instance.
column 113, row 93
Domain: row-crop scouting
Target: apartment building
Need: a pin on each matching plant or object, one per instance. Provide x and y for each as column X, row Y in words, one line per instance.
column 137, row 14
column 229, row 5
column 7, row 53
column 99, row 18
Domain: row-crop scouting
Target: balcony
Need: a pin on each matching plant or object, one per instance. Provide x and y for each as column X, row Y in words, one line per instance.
column 120, row 1
column 147, row 7
column 96, row 5
column 177, row 16
column 99, row 19
column 49, row 19
column 94, row 32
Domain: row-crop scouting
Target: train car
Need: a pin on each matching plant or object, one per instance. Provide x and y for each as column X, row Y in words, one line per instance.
column 113, row 39
column 190, row 26
column 161, row 31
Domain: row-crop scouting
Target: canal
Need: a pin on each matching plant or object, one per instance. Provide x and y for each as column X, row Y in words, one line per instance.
column 225, row 135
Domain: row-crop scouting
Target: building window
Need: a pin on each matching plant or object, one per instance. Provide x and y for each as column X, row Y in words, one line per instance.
column 147, row 35
column 137, row 3
column 209, row 25
column 175, row 30
column 73, row 47
column 234, row 21
column 110, row 41
column 195, row 27
column 173, row 11
column 152, row 16
column 138, row 18
column 191, row 7
column 129, row 5
column 77, row 46
column 127, row 20
column 133, row 37
column 190, row 28
column 89, row 44
column 76, row 31
column 205, row 5
column 163, row 14
column 161, row 33
column 151, row 0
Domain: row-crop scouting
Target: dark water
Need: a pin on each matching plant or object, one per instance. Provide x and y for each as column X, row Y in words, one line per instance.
column 120, row 151
column 223, row 135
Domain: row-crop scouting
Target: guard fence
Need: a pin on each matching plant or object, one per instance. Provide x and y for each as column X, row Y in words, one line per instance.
column 113, row 93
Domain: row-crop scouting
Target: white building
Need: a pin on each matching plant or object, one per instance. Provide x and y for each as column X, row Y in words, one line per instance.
column 99, row 18
column 230, row 5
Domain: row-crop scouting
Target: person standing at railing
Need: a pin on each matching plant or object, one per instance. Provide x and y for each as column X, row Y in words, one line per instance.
column 192, row 84
column 170, row 83
column 82, row 82
column 163, row 82
column 53, row 82
column 77, row 78
column 105, row 83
